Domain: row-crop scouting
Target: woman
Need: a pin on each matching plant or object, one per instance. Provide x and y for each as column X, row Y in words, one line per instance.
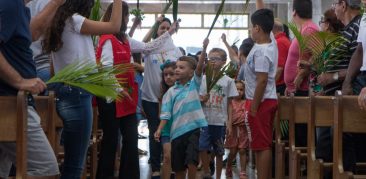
column 69, row 40
column 114, row 49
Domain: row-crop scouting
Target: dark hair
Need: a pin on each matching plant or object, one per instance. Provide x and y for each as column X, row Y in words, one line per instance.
column 241, row 82
column 121, row 35
column 182, row 50
column 155, row 34
column 137, row 57
column 190, row 60
column 164, row 86
column 263, row 18
column 53, row 36
column 303, row 8
column 246, row 46
column 222, row 52
column 330, row 17
column 286, row 30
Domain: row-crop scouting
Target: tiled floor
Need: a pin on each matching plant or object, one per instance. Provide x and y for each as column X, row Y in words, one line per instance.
column 145, row 167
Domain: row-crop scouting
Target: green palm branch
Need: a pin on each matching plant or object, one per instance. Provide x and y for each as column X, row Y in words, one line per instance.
column 326, row 50
column 175, row 10
column 219, row 11
column 95, row 15
column 156, row 25
column 300, row 38
column 246, row 5
column 99, row 80
column 213, row 76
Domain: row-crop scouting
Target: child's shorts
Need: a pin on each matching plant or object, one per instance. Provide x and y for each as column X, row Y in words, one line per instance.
column 164, row 139
column 238, row 138
column 185, row 150
column 212, row 139
column 260, row 127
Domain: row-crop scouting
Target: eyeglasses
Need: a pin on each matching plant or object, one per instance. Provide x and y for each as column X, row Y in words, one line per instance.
column 214, row 59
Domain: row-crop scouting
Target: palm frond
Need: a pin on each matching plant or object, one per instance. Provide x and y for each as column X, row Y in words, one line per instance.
column 295, row 30
column 99, row 80
column 246, row 5
column 221, row 7
column 213, row 76
column 175, row 10
column 156, row 25
column 95, row 15
column 284, row 127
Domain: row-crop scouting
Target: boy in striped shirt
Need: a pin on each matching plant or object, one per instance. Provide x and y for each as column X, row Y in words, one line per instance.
column 181, row 104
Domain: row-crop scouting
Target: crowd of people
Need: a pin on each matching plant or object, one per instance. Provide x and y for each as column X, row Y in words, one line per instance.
column 190, row 123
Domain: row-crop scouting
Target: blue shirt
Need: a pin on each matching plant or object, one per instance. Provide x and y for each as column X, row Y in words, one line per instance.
column 15, row 41
column 181, row 104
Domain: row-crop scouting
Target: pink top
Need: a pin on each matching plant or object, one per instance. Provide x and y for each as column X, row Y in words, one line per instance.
column 293, row 57
column 238, row 111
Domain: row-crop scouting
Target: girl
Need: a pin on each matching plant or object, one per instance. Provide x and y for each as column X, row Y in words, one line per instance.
column 238, row 140
column 151, row 90
column 114, row 49
column 169, row 79
column 69, row 40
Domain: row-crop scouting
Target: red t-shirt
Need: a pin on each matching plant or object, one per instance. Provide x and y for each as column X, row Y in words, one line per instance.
column 293, row 57
column 283, row 45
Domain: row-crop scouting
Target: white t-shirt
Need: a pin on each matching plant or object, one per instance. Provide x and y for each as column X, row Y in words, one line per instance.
column 262, row 58
column 215, row 108
column 362, row 39
column 76, row 46
column 150, row 87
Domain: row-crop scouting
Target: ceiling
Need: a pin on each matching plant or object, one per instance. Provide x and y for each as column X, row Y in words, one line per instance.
column 203, row 1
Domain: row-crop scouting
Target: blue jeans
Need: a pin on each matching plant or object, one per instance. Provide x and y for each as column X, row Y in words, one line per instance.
column 75, row 109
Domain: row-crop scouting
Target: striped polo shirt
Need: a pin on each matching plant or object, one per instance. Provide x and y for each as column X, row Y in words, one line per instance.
column 350, row 34
column 181, row 104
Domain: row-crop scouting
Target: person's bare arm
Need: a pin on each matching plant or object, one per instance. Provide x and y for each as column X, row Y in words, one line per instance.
column 10, row 76
column 353, row 69
column 262, row 79
column 91, row 27
column 43, row 19
column 278, row 73
column 259, row 4
column 202, row 58
column 148, row 36
column 232, row 54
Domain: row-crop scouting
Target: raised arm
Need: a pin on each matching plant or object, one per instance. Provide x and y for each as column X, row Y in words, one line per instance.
column 43, row 19
column 149, row 34
column 232, row 54
column 112, row 27
column 202, row 58
column 259, row 4
column 136, row 23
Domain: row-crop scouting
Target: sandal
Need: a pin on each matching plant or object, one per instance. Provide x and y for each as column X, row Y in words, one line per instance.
column 243, row 175
column 229, row 172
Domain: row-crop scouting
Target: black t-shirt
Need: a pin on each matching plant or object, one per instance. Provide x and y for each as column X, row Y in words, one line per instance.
column 15, row 41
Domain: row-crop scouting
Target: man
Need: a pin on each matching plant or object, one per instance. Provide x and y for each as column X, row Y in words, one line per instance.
column 18, row 72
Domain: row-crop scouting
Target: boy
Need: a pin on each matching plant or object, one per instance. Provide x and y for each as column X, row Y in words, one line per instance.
column 216, row 109
column 260, row 89
column 181, row 103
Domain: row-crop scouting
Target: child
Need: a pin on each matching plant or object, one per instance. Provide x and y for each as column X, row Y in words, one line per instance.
column 238, row 139
column 260, row 90
column 181, row 104
column 169, row 78
column 217, row 104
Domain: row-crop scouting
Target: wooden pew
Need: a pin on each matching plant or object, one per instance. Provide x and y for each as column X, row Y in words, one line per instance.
column 280, row 145
column 321, row 115
column 348, row 118
column 299, row 113
column 13, row 128
column 45, row 105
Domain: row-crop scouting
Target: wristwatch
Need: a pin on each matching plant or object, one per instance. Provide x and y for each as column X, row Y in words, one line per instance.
column 336, row 76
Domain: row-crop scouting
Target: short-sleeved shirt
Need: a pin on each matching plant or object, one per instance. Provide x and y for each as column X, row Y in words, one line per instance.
column 263, row 58
column 215, row 108
column 362, row 39
column 283, row 44
column 15, row 39
column 350, row 34
column 181, row 104
column 41, row 59
column 293, row 57
column 76, row 46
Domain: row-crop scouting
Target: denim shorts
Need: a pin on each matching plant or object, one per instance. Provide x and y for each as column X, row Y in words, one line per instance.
column 212, row 139
column 164, row 139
